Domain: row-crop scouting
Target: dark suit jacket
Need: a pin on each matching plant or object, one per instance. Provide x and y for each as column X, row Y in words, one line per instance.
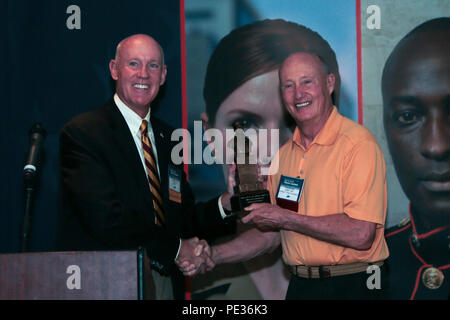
column 105, row 200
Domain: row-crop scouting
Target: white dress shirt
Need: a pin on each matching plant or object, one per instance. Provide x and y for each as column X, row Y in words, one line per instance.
column 134, row 122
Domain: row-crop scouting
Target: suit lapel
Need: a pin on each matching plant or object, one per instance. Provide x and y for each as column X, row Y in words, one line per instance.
column 127, row 148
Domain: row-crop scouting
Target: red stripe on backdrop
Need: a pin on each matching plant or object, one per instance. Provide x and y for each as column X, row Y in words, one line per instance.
column 184, row 108
column 359, row 61
column 183, row 80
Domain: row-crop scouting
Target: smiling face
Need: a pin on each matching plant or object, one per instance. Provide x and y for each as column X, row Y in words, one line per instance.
column 416, row 95
column 306, row 88
column 139, row 72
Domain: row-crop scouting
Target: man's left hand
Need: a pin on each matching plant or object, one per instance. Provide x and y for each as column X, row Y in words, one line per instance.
column 266, row 217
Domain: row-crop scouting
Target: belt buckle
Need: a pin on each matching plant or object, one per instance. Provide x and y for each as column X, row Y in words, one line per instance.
column 324, row 272
column 309, row 272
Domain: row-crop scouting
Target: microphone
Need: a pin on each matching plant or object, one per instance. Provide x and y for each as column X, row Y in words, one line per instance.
column 37, row 135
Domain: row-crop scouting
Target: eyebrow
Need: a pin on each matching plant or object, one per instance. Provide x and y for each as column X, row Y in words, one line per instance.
column 301, row 78
column 140, row 59
column 411, row 100
column 245, row 112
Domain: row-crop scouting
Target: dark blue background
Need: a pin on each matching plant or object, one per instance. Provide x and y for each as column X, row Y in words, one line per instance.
column 50, row 73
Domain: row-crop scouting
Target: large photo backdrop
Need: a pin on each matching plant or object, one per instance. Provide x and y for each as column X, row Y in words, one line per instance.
column 381, row 25
column 233, row 49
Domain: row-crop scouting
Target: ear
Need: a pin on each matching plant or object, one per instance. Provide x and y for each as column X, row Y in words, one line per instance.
column 163, row 75
column 330, row 82
column 113, row 69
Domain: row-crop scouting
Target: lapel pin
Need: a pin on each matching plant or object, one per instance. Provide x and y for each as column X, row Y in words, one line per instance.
column 162, row 136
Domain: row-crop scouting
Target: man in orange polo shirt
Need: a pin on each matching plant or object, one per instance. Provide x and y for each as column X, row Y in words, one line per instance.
column 328, row 194
column 337, row 228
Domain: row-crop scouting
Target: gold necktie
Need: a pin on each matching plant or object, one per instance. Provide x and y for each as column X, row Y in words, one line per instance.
column 152, row 173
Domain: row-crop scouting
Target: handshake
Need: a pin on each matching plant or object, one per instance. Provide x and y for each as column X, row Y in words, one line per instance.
column 195, row 257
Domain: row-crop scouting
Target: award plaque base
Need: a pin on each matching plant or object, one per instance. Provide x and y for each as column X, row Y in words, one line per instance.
column 244, row 199
column 286, row 204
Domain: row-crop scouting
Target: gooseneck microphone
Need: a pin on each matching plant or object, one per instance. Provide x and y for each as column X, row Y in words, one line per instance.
column 37, row 135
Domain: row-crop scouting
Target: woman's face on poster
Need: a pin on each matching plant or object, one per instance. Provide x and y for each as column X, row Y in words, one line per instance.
column 256, row 104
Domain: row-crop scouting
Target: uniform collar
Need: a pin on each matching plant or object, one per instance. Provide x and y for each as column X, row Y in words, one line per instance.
column 327, row 135
column 432, row 246
column 427, row 234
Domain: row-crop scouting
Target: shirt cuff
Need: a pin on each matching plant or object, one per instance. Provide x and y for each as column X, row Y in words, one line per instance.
column 178, row 252
column 222, row 211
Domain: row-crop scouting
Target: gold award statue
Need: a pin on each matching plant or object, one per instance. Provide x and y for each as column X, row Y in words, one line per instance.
column 248, row 189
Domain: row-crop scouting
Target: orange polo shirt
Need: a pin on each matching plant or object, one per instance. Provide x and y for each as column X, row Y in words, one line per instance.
column 344, row 172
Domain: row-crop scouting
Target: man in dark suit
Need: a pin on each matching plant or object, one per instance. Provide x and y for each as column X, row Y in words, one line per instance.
column 119, row 187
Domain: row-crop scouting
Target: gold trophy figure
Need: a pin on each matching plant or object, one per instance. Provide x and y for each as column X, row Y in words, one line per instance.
column 248, row 189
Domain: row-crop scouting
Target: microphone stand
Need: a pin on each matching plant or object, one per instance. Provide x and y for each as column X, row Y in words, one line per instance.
column 37, row 135
column 29, row 184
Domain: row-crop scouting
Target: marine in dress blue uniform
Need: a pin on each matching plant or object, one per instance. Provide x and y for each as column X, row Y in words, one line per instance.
column 416, row 115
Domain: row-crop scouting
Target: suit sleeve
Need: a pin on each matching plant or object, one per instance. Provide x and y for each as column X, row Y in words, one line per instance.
column 91, row 198
column 203, row 219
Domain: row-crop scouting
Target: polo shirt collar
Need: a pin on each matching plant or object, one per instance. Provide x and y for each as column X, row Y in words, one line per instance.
column 327, row 135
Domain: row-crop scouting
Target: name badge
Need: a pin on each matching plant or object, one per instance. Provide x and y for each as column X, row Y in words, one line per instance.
column 174, row 183
column 289, row 192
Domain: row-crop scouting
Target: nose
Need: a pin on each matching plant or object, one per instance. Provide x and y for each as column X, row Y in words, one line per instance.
column 143, row 72
column 298, row 92
column 435, row 137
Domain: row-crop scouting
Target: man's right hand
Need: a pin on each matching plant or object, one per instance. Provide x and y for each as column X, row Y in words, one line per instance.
column 194, row 257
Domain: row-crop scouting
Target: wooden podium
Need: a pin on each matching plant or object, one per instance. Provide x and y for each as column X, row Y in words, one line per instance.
column 87, row 275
